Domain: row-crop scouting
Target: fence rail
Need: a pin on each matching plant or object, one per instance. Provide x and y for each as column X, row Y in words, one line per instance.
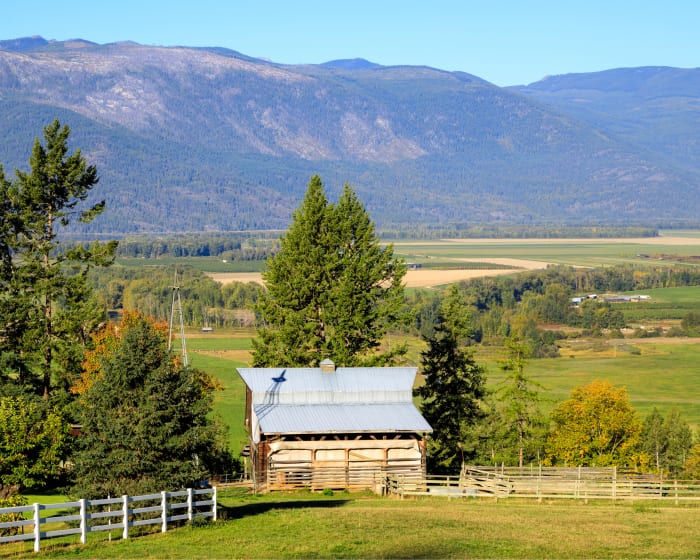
column 88, row 516
column 577, row 483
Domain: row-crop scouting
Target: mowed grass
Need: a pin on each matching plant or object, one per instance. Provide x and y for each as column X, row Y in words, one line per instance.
column 304, row 525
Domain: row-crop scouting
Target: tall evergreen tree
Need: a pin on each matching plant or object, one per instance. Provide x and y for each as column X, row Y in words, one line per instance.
column 145, row 418
column 332, row 290
column 39, row 276
column 453, row 388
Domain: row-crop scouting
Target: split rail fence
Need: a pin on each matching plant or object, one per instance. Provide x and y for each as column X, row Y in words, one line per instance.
column 88, row 516
column 578, row 483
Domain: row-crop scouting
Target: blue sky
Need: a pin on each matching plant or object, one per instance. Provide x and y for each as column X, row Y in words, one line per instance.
column 507, row 42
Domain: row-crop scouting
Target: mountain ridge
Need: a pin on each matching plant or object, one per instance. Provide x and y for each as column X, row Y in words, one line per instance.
column 204, row 138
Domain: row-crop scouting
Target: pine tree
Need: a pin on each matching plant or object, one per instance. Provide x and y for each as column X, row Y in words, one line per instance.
column 39, row 276
column 332, row 291
column 145, row 418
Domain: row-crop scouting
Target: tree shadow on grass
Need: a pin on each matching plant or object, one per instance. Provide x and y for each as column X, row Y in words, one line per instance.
column 246, row 510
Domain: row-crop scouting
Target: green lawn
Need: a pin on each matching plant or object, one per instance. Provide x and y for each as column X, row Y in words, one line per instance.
column 304, row 525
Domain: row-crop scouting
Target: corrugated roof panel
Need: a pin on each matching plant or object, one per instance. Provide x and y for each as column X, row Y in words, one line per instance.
column 345, row 385
column 340, row 418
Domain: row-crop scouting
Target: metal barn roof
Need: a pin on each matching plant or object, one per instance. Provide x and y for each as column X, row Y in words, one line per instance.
column 340, row 418
column 309, row 400
column 346, row 385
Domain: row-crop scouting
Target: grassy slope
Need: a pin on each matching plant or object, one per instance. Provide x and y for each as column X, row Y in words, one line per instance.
column 358, row 526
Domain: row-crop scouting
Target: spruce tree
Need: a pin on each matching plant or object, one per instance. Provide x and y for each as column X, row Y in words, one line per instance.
column 332, row 290
column 453, row 388
column 145, row 418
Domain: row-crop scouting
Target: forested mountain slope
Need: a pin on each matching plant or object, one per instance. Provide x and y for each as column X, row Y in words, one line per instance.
column 192, row 139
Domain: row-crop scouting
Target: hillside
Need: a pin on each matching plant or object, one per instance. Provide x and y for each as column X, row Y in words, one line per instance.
column 190, row 139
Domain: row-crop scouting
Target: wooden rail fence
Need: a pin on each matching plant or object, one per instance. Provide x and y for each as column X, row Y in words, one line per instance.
column 87, row 516
column 575, row 483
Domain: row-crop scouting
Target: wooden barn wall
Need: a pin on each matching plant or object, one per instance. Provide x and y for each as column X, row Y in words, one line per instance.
column 354, row 462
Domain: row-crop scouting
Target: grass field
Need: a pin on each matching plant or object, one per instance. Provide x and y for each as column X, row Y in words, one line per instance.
column 304, row 525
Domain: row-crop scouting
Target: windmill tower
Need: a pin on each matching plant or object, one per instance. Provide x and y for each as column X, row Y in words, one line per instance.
column 176, row 305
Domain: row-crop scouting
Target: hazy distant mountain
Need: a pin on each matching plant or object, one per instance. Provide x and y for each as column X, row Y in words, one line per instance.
column 208, row 138
column 656, row 108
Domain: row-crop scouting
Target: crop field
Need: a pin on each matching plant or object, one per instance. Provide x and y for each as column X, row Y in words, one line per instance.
column 451, row 260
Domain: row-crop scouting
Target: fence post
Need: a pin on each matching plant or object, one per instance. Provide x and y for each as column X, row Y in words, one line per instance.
column 675, row 487
column 125, row 516
column 83, row 521
column 213, row 506
column 37, row 527
column 189, row 504
column 614, row 483
column 164, row 513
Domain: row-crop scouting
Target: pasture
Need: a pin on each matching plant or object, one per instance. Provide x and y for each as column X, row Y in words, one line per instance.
column 657, row 372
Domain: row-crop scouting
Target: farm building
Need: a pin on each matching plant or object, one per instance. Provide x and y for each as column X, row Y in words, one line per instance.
column 331, row 427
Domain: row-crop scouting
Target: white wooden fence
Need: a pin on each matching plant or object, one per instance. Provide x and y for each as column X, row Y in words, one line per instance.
column 90, row 516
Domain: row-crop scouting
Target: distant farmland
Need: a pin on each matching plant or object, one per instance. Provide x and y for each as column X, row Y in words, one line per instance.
column 450, row 260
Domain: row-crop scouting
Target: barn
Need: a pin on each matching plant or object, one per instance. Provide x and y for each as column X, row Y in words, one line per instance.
column 332, row 428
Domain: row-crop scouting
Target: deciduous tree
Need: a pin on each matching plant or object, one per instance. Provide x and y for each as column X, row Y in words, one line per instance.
column 667, row 440
column 33, row 440
column 596, row 426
